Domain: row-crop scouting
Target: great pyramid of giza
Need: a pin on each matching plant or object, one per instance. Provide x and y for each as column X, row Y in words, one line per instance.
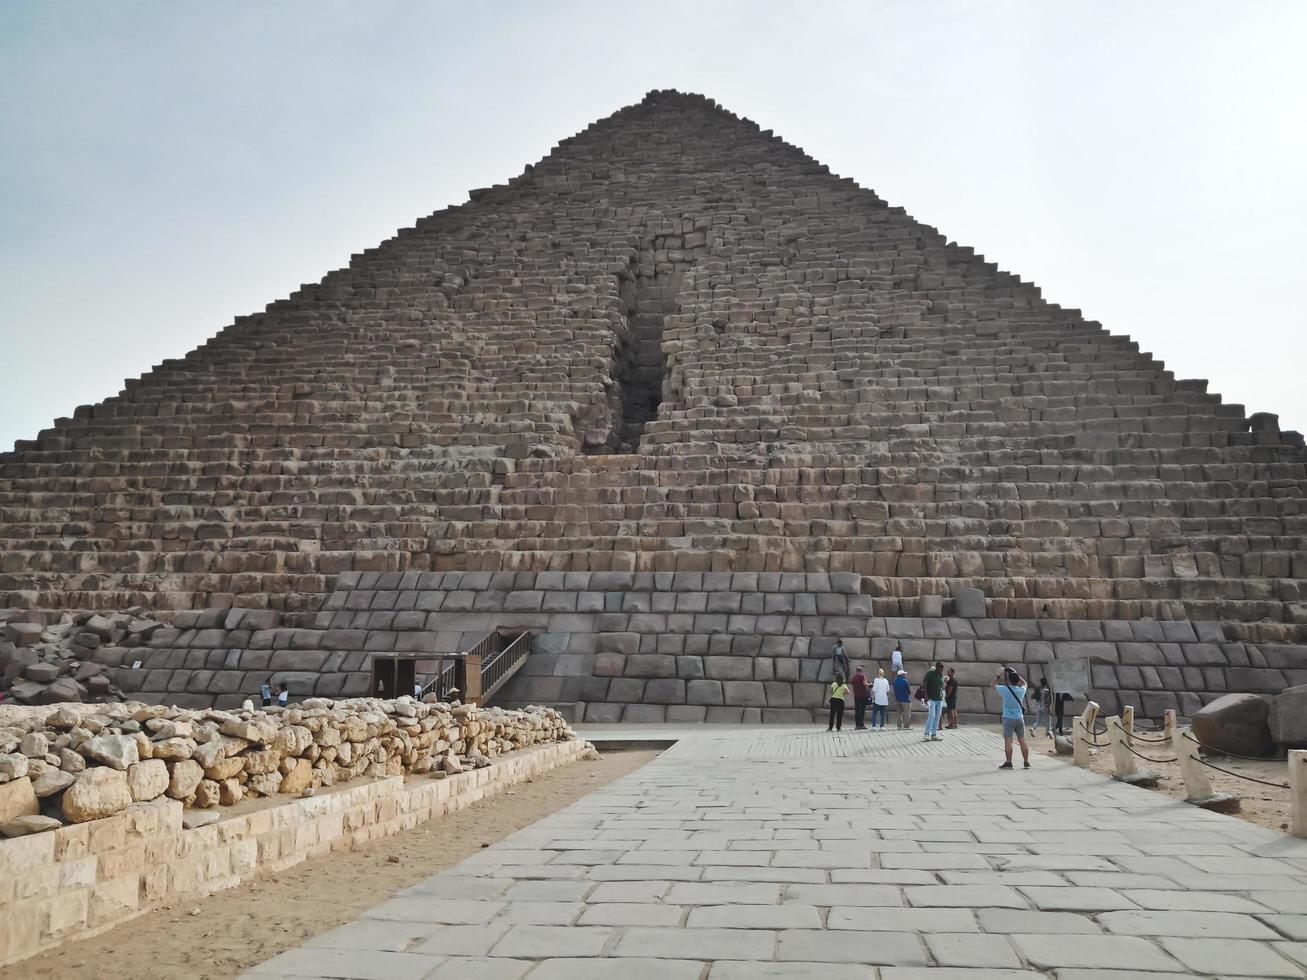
column 686, row 406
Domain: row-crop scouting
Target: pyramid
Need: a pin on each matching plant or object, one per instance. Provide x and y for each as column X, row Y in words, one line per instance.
column 687, row 406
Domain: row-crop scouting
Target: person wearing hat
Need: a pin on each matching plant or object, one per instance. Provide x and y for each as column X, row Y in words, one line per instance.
column 903, row 698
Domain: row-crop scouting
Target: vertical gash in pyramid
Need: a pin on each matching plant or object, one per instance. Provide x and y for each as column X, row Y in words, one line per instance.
column 686, row 406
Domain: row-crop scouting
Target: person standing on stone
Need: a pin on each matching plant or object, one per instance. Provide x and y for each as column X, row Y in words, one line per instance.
column 951, row 698
column 903, row 699
column 839, row 692
column 879, row 698
column 1011, row 688
column 1044, row 707
column 896, row 660
column 839, row 659
column 265, row 693
column 861, row 694
column 283, row 695
column 934, row 684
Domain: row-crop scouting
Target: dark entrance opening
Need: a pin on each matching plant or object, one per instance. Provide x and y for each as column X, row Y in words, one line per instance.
column 649, row 293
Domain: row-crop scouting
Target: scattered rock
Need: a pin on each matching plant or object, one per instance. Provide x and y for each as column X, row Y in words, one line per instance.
column 1288, row 718
column 52, row 781
column 119, row 751
column 33, row 823
column 147, row 780
column 17, row 799
column 98, row 792
column 193, row 819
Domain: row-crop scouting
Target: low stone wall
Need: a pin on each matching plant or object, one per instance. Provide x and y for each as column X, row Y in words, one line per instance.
column 684, row 646
column 82, row 879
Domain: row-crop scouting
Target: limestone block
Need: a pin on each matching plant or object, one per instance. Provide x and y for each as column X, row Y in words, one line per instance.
column 1235, row 723
column 100, row 791
column 17, row 799
column 147, row 780
column 969, row 603
column 1288, row 717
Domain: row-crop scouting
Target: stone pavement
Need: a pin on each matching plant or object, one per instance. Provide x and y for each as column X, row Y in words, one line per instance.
column 756, row 852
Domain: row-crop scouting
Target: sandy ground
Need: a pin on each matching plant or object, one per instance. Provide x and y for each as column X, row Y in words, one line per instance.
column 1258, row 804
column 220, row 936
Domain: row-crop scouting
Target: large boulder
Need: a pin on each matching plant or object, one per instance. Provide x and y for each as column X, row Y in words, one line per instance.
column 118, row 751
column 1289, row 717
column 98, row 792
column 1238, row 723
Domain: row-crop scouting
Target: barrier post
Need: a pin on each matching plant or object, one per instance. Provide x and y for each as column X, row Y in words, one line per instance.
column 1298, row 792
column 1081, row 728
column 1169, row 723
column 1123, row 763
column 1128, row 721
column 1197, row 786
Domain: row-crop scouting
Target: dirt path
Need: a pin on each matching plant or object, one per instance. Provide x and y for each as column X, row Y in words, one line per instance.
column 218, row 937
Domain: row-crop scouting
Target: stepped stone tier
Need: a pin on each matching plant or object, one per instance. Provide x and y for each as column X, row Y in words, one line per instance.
column 688, row 405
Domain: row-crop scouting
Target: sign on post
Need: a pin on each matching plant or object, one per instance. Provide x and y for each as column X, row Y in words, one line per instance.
column 1071, row 677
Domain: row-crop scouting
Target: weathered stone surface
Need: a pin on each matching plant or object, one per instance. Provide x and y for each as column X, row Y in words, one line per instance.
column 52, row 781
column 17, row 799
column 147, row 780
column 1288, row 717
column 118, row 751
column 98, row 792
column 30, row 824
column 1237, row 723
column 184, row 777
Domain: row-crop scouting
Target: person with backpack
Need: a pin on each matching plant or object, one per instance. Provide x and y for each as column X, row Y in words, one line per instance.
column 839, row 692
column 861, row 694
column 903, row 698
column 839, row 659
column 1011, row 688
column 1044, row 707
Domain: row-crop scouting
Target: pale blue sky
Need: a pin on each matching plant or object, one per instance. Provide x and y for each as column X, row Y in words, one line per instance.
column 165, row 166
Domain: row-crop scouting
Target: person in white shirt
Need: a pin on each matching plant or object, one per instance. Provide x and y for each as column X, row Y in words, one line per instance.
column 896, row 660
column 879, row 699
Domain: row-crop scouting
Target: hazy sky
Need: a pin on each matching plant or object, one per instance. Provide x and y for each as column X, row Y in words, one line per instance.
column 165, row 166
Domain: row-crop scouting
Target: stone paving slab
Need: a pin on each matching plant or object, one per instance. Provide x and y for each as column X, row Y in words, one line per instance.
column 758, row 853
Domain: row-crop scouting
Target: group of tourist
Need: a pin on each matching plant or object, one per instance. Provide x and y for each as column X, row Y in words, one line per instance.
column 938, row 691
column 266, row 694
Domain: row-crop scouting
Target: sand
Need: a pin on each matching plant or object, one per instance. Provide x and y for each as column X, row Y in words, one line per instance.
column 220, row 936
column 1263, row 805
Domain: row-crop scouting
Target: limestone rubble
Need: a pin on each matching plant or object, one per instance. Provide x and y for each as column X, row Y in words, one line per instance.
column 76, row 763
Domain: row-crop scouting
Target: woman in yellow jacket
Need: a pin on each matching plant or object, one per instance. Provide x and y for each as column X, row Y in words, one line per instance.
column 839, row 692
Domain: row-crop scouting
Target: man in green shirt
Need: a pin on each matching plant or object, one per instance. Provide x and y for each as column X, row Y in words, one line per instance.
column 934, row 684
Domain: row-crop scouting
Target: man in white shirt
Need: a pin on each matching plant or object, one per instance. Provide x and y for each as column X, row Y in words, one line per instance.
column 879, row 699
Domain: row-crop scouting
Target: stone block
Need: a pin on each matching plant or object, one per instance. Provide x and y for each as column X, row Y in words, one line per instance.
column 969, row 603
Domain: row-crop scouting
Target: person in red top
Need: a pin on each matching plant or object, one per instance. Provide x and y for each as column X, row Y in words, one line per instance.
column 861, row 695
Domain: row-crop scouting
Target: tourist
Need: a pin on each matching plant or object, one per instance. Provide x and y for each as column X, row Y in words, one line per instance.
column 283, row 695
column 265, row 693
column 934, row 685
column 903, row 698
column 1011, row 688
column 839, row 659
column 951, row 698
column 839, row 691
column 861, row 694
column 1044, row 707
column 879, row 698
column 1060, row 700
column 896, row 660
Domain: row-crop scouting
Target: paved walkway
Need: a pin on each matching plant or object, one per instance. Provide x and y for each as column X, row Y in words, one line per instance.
column 746, row 853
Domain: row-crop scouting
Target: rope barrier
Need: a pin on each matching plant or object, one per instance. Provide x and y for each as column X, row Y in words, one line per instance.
column 1142, row 738
column 1239, row 775
column 1232, row 755
column 1158, row 762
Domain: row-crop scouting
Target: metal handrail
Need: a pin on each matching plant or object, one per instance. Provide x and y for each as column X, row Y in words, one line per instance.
column 443, row 681
column 497, row 668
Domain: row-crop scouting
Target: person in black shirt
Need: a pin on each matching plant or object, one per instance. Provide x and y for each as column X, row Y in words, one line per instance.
column 951, row 698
